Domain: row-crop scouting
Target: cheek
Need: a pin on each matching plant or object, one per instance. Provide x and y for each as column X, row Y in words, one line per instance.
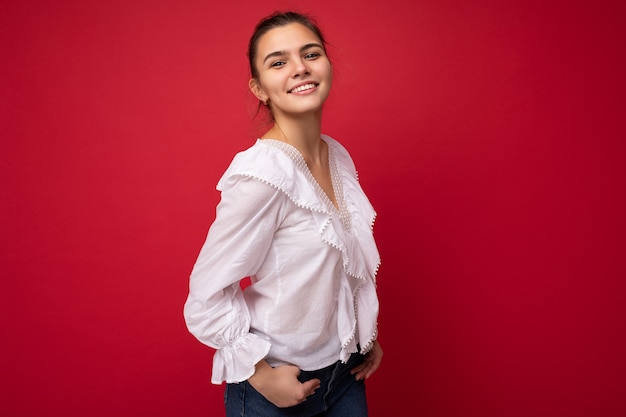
column 328, row 70
column 329, row 75
column 271, row 81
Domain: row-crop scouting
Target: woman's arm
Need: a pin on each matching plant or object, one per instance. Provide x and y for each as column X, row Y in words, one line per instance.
column 236, row 245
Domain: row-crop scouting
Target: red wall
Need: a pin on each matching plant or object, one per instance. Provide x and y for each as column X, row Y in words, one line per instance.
column 489, row 135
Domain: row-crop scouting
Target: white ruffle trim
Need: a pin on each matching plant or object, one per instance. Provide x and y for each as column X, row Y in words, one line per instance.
column 236, row 362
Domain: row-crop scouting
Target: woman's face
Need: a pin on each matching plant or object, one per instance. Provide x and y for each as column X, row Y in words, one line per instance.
column 295, row 74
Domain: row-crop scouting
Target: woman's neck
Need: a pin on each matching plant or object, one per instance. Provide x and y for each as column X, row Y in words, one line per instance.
column 303, row 133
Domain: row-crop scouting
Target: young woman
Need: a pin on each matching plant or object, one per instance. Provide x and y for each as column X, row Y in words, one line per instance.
column 301, row 339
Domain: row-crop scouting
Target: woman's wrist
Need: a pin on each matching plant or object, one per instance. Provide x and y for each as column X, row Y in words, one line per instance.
column 260, row 369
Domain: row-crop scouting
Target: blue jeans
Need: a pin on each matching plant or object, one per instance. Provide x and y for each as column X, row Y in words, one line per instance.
column 339, row 395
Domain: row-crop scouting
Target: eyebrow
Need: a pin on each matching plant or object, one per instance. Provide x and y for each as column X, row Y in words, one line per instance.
column 302, row 49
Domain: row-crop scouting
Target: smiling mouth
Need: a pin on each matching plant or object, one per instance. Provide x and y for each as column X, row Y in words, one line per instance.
column 302, row 88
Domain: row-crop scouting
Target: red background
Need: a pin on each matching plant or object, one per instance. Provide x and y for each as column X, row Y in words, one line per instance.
column 489, row 135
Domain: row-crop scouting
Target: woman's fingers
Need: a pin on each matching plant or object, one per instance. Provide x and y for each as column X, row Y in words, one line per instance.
column 310, row 386
column 370, row 364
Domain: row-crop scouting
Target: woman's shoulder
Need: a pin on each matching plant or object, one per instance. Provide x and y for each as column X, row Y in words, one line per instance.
column 258, row 161
column 341, row 153
column 334, row 143
column 268, row 162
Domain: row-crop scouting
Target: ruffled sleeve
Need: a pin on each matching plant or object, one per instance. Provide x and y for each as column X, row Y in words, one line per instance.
column 215, row 311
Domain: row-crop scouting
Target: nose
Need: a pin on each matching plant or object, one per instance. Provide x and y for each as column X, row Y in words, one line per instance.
column 300, row 68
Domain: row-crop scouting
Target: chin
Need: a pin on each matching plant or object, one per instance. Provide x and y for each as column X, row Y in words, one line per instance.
column 304, row 108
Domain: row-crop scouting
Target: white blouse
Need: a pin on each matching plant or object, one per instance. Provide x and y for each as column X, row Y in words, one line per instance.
column 312, row 267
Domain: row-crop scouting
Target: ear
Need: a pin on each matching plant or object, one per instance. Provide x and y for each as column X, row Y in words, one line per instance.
column 256, row 89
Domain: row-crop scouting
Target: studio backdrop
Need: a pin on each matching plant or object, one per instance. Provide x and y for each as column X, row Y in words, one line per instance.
column 488, row 135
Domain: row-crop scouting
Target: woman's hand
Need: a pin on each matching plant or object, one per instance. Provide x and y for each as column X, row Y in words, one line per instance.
column 370, row 364
column 280, row 385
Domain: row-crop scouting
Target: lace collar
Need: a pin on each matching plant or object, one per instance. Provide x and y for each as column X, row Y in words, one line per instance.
column 302, row 166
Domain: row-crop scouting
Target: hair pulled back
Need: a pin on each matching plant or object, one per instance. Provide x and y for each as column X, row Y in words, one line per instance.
column 275, row 20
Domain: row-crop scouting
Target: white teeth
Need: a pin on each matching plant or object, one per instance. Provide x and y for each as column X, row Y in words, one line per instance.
column 303, row 87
